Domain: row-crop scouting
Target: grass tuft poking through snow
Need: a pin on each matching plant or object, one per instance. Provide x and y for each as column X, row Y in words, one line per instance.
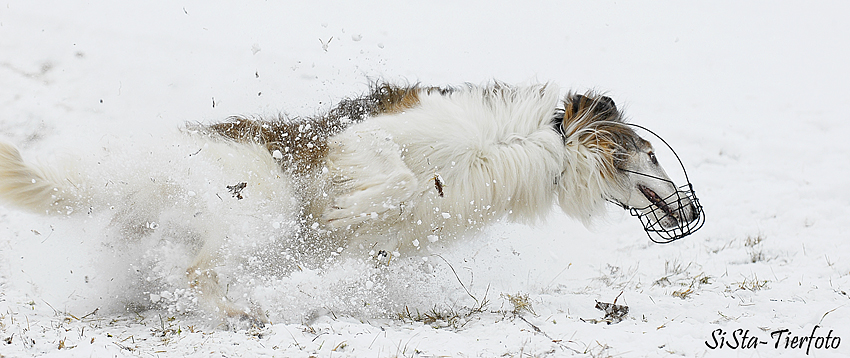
column 755, row 248
column 520, row 303
column 751, row 284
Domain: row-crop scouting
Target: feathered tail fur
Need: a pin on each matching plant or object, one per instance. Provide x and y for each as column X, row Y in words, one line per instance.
column 31, row 187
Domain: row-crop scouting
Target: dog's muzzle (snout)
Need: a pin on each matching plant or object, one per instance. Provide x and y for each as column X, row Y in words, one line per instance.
column 674, row 217
column 668, row 219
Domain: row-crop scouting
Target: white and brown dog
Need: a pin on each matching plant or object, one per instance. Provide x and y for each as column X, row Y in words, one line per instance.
column 396, row 171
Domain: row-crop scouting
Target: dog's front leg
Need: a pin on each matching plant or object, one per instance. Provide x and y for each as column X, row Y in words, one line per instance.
column 370, row 179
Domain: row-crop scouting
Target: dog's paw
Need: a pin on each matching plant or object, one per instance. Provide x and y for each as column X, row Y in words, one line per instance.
column 337, row 217
column 359, row 206
column 372, row 198
column 238, row 318
column 211, row 296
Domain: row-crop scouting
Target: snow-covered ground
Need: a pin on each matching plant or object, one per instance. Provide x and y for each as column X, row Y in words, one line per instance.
column 754, row 97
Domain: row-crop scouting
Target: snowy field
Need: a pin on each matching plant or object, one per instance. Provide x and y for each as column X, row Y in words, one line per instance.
column 755, row 98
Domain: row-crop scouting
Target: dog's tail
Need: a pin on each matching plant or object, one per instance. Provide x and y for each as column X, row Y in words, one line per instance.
column 33, row 188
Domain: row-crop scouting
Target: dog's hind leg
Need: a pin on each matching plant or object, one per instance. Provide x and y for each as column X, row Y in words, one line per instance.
column 203, row 279
column 33, row 188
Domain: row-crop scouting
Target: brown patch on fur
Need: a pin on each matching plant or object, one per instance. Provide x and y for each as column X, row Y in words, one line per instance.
column 593, row 121
column 302, row 143
column 391, row 99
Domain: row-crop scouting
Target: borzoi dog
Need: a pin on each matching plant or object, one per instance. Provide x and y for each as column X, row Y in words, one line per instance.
column 402, row 168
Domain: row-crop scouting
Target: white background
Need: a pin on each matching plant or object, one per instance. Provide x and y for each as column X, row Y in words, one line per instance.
column 753, row 96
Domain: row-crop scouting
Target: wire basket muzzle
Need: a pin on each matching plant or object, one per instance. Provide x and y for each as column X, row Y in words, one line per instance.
column 683, row 216
column 682, row 213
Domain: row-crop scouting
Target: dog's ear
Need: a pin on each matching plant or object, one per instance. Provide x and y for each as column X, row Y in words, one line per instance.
column 574, row 105
column 607, row 103
column 589, row 108
column 590, row 114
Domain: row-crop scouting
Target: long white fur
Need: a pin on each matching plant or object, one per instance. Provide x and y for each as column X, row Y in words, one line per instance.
column 496, row 151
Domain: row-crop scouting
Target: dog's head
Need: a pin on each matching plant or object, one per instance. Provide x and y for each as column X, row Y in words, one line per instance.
column 623, row 166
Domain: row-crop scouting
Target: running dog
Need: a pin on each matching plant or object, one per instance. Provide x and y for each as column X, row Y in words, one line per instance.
column 405, row 167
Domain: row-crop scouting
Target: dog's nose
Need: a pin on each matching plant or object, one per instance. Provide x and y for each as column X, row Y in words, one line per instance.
column 691, row 213
column 686, row 213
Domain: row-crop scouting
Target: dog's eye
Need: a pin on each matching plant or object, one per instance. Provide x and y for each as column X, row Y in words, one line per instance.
column 652, row 158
